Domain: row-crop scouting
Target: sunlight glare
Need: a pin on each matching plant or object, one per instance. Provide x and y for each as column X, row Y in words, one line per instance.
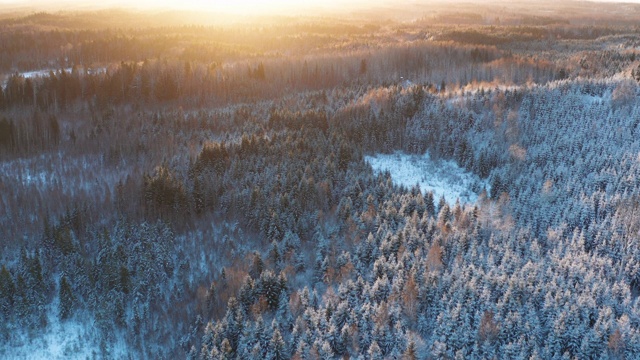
column 247, row 7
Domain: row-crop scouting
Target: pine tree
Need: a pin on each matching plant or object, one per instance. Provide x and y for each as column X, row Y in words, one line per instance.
column 233, row 323
column 429, row 204
column 284, row 314
column 7, row 289
column 226, row 351
column 363, row 66
column 125, row 280
column 211, row 298
column 198, row 196
column 257, row 266
column 365, row 327
column 325, row 351
column 261, row 334
column 299, row 263
column 66, row 299
column 270, row 287
column 274, row 256
column 166, row 88
column 277, row 347
column 444, row 216
column 410, row 352
column 321, row 268
column 374, row 351
column 246, row 294
column 6, row 134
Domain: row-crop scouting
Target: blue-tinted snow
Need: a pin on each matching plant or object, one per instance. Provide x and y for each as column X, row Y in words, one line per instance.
column 443, row 178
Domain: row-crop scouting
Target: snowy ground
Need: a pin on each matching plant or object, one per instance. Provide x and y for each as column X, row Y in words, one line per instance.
column 443, row 178
column 45, row 72
column 71, row 339
column 61, row 341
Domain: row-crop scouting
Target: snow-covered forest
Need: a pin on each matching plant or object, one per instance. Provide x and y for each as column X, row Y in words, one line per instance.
column 438, row 182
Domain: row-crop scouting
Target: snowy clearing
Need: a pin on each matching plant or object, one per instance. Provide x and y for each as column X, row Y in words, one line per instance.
column 443, row 178
column 61, row 341
column 71, row 339
column 45, row 73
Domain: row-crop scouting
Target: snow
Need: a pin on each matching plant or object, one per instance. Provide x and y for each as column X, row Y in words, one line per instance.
column 443, row 178
column 72, row 339
column 45, row 72
column 593, row 99
column 40, row 73
column 75, row 338
column 60, row 341
column 47, row 170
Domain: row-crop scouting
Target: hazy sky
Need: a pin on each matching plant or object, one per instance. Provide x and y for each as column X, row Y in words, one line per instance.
column 235, row 6
column 240, row 6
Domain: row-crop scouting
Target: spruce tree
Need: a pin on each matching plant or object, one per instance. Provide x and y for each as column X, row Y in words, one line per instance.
column 66, row 299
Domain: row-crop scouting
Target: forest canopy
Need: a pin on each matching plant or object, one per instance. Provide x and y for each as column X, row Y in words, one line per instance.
column 186, row 186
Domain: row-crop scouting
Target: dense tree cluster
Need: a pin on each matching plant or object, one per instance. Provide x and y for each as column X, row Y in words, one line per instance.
column 526, row 273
